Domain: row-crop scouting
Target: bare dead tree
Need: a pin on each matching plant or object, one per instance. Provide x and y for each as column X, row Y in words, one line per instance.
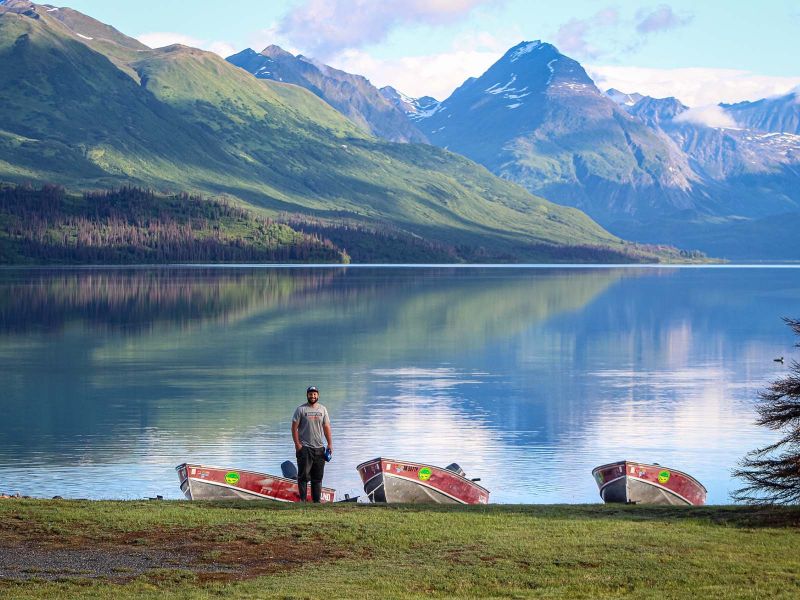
column 772, row 474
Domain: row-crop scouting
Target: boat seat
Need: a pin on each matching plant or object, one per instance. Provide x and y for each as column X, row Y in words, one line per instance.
column 455, row 468
column 288, row 469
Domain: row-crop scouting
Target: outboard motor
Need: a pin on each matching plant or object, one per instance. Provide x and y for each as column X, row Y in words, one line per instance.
column 289, row 470
column 455, row 468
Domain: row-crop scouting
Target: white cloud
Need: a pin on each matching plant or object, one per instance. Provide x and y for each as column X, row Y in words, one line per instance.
column 661, row 19
column 324, row 28
column 572, row 37
column 695, row 86
column 268, row 36
column 608, row 33
column 710, row 116
column 224, row 49
column 159, row 39
column 435, row 75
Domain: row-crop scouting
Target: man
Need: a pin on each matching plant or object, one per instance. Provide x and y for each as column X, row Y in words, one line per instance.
column 309, row 424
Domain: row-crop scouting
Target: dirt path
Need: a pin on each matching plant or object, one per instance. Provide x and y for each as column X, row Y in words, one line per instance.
column 216, row 553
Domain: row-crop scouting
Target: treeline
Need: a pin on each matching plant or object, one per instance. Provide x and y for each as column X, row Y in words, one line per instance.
column 366, row 243
column 376, row 243
column 134, row 225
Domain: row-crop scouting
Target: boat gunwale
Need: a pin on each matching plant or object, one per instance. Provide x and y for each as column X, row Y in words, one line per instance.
column 294, row 481
column 411, row 462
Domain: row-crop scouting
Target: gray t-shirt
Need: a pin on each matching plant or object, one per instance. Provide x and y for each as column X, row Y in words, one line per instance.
column 310, row 420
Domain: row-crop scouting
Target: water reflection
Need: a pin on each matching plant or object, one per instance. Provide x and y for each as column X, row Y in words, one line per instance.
column 527, row 377
column 134, row 299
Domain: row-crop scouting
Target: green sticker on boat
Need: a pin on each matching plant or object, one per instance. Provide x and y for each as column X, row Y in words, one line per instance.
column 663, row 476
column 232, row 478
column 424, row 473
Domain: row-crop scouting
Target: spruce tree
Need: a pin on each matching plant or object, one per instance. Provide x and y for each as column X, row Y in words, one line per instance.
column 772, row 474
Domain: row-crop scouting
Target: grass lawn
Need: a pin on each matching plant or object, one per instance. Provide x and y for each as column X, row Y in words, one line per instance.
column 170, row 549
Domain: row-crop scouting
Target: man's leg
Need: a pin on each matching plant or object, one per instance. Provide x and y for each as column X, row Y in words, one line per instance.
column 304, row 464
column 317, row 471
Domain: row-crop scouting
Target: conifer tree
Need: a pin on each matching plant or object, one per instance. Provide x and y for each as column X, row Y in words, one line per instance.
column 772, row 474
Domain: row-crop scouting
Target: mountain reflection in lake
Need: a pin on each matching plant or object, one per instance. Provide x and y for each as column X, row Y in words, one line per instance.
column 528, row 377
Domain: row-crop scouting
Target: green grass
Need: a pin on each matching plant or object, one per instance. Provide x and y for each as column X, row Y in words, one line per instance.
column 245, row 550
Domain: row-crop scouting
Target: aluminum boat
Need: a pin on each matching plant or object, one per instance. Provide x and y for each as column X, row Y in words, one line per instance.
column 641, row 483
column 203, row 482
column 391, row 480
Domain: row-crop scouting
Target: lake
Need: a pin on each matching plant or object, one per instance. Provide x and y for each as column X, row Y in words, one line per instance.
column 528, row 377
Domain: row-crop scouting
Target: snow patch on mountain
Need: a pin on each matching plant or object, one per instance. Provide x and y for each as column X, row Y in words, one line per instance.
column 424, row 114
column 525, row 49
column 781, row 142
column 572, row 86
column 499, row 90
column 552, row 70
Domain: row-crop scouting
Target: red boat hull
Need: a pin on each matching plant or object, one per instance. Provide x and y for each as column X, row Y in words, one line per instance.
column 200, row 482
column 640, row 483
column 389, row 480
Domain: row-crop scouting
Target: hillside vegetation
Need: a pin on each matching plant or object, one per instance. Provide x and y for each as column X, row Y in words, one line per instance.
column 137, row 226
column 99, row 114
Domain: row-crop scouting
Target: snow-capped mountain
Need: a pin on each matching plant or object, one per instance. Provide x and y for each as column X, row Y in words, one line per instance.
column 779, row 114
column 352, row 95
column 649, row 169
column 414, row 108
column 623, row 98
column 536, row 118
column 655, row 111
column 719, row 153
column 749, row 179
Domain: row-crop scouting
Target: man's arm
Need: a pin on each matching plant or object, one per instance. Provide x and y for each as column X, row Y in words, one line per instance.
column 326, row 429
column 296, row 435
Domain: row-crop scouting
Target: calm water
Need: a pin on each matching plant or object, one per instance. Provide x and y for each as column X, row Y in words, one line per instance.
column 528, row 377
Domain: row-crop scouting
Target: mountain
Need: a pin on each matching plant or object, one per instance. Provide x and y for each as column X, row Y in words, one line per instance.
column 90, row 115
column 352, row 95
column 736, row 161
column 623, row 98
column 536, row 118
column 413, row 108
column 749, row 181
column 779, row 114
column 656, row 111
column 89, row 29
column 640, row 166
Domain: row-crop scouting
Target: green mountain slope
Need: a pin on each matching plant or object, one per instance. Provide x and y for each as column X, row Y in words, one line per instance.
column 89, row 114
column 352, row 95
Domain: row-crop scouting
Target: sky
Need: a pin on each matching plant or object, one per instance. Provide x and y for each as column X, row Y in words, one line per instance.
column 700, row 52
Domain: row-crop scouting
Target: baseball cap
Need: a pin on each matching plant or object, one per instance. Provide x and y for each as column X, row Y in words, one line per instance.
column 312, row 388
